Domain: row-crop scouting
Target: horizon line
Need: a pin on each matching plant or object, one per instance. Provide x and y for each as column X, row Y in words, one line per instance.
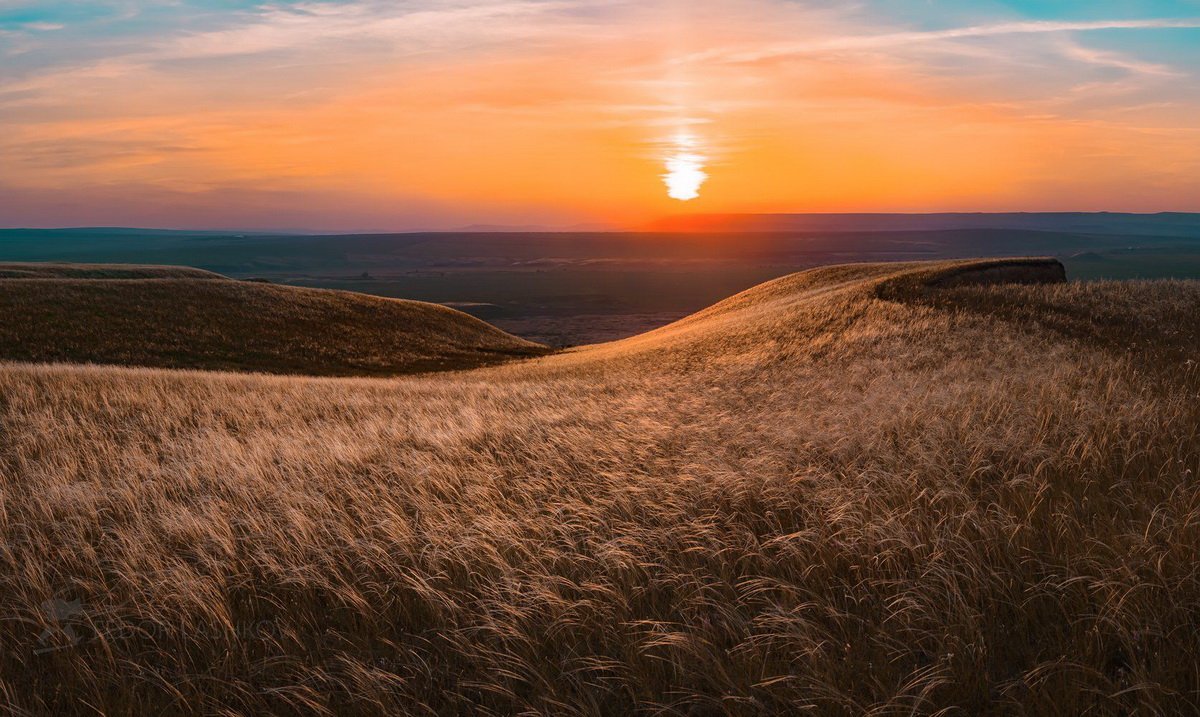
column 487, row 228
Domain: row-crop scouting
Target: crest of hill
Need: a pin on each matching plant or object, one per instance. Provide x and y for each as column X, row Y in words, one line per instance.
column 215, row 324
column 55, row 270
column 812, row 307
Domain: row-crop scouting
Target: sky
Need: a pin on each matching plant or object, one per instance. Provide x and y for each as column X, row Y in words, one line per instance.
column 358, row 115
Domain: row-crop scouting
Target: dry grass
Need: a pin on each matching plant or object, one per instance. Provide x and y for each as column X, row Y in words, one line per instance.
column 53, row 270
column 810, row 497
column 242, row 326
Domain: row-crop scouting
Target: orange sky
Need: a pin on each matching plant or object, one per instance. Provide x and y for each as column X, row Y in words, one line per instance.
column 371, row 115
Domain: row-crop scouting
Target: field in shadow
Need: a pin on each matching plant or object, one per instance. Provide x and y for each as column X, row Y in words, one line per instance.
column 165, row 317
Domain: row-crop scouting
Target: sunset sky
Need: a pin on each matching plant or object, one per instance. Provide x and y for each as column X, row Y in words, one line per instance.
column 409, row 114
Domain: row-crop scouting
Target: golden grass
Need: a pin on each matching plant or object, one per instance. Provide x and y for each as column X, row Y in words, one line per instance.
column 823, row 495
column 243, row 326
column 60, row 270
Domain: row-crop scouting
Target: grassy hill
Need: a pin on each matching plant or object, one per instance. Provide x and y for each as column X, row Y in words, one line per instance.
column 164, row 317
column 570, row 288
column 866, row 489
column 58, row 270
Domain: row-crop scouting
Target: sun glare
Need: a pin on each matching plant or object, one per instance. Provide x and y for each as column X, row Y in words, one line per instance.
column 685, row 169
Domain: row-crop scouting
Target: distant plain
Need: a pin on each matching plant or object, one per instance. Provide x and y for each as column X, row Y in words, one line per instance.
column 567, row 289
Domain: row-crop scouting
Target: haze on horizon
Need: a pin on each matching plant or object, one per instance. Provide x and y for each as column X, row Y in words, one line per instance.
column 421, row 114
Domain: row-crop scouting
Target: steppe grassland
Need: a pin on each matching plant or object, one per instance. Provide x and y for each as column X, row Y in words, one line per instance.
column 810, row 496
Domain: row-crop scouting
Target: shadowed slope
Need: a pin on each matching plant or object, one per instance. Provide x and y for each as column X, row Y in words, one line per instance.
column 845, row 492
column 244, row 326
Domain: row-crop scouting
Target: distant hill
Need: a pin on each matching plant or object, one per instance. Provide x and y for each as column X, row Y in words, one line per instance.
column 36, row 270
column 743, row 240
column 202, row 323
column 1173, row 224
column 573, row 288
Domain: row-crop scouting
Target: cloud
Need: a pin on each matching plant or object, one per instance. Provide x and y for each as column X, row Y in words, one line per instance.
column 318, row 33
column 917, row 37
column 1102, row 58
column 304, row 25
column 42, row 26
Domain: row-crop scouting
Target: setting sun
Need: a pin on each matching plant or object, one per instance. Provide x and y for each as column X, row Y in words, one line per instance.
column 685, row 169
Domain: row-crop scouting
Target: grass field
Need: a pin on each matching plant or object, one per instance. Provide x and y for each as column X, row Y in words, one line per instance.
column 868, row 489
column 1175, row 262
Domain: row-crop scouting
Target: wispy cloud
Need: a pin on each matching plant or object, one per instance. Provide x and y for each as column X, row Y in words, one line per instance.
column 317, row 33
column 299, row 26
column 1115, row 60
column 917, row 37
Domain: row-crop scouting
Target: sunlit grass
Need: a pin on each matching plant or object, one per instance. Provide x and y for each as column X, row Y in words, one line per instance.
column 827, row 493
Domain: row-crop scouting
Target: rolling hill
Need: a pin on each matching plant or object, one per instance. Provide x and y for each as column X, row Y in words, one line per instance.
column 1178, row 224
column 575, row 288
column 178, row 318
column 956, row 487
column 59, row 270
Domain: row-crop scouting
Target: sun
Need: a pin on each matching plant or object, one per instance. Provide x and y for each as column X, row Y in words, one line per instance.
column 685, row 168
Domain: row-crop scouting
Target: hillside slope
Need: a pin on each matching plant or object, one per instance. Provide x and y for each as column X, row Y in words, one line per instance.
column 244, row 326
column 56, row 270
column 872, row 489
